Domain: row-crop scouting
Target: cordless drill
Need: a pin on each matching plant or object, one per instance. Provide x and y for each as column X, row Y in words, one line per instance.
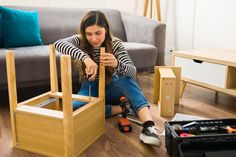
column 123, row 123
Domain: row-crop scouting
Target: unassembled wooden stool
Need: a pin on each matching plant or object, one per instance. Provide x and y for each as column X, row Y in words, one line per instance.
column 40, row 127
column 166, row 88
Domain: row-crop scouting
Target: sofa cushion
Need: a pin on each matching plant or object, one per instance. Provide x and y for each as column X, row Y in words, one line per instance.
column 143, row 55
column 20, row 28
column 50, row 20
column 1, row 34
column 32, row 66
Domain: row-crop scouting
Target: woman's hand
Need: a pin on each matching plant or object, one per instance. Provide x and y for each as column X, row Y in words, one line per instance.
column 91, row 68
column 108, row 59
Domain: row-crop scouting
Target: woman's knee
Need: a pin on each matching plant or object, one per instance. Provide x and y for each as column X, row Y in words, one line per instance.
column 126, row 81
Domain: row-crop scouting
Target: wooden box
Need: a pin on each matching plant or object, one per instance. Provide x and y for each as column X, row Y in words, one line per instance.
column 166, row 88
column 40, row 126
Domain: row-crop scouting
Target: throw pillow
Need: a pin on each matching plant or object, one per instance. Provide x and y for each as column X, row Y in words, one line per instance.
column 1, row 34
column 20, row 28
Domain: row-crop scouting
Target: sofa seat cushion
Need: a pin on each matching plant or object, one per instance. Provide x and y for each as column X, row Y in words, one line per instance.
column 32, row 66
column 143, row 55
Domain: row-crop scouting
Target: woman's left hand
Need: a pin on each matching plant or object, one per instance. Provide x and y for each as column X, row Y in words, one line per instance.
column 108, row 59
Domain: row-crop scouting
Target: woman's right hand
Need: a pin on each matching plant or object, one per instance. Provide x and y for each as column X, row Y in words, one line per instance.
column 91, row 68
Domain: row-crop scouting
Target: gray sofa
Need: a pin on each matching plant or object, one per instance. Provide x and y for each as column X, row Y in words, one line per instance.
column 144, row 40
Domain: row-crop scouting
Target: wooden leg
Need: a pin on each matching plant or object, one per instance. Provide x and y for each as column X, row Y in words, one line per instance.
column 12, row 90
column 151, row 9
column 67, row 108
column 53, row 74
column 183, row 85
column 145, row 8
column 158, row 10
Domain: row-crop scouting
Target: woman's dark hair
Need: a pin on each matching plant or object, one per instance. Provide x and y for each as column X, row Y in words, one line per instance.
column 91, row 18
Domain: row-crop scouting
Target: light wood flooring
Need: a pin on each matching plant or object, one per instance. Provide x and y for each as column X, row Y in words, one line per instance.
column 196, row 101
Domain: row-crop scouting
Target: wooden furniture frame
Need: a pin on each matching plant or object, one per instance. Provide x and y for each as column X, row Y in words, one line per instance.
column 210, row 68
column 166, row 88
column 158, row 8
column 38, row 124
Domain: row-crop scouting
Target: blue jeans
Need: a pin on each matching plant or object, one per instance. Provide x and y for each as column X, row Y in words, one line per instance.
column 119, row 86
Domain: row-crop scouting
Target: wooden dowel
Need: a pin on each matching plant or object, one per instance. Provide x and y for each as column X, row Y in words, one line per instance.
column 53, row 70
column 145, row 8
column 151, row 9
column 53, row 74
column 102, row 77
column 158, row 7
column 67, row 106
column 101, row 92
column 11, row 79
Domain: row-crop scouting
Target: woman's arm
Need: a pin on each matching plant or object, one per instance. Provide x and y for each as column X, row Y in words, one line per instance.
column 70, row 46
column 125, row 65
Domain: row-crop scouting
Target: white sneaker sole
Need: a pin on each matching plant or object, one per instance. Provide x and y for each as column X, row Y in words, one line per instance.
column 150, row 140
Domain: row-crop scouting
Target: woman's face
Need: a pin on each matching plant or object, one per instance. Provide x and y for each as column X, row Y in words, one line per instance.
column 95, row 35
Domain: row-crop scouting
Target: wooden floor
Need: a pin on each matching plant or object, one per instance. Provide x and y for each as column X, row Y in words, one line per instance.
column 196, row 101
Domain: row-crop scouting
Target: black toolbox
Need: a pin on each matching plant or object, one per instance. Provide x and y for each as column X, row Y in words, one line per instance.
column 201, row 138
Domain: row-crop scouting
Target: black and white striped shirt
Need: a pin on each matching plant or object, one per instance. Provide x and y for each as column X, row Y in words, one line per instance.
column 70, row 46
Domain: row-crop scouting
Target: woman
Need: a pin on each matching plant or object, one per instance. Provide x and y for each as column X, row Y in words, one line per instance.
column 120, row 71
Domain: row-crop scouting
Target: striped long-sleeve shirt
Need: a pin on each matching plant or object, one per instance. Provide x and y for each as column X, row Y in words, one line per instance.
column 70, row 46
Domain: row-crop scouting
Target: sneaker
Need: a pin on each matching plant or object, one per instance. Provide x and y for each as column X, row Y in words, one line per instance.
column 150, row 136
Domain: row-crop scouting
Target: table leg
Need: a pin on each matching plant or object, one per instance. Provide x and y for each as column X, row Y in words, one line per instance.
column 182, row 87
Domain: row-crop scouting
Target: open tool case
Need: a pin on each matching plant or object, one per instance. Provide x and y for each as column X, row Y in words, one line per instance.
column 201, row 138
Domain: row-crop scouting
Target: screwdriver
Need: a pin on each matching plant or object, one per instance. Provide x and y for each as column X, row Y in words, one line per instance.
column 90, row 86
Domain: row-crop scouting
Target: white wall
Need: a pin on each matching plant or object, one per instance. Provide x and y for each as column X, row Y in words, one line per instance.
column 130, row 5
column 191, row 24
column 205, row 24
column 215, row 24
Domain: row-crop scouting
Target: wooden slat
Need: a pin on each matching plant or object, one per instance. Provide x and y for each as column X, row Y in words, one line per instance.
column 35, row 100
column 31, row 110
column 75, row 97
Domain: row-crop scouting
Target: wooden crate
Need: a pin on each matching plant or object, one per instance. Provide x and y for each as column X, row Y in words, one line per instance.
column 166, row 88
column 40, row 126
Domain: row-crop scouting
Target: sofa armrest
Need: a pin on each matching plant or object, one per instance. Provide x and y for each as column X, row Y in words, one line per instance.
column 143, row 30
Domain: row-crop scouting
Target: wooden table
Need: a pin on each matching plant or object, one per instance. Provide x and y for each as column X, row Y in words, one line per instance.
column 209, row 68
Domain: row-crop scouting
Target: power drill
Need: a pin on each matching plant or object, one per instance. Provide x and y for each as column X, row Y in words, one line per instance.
column 123, row 123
